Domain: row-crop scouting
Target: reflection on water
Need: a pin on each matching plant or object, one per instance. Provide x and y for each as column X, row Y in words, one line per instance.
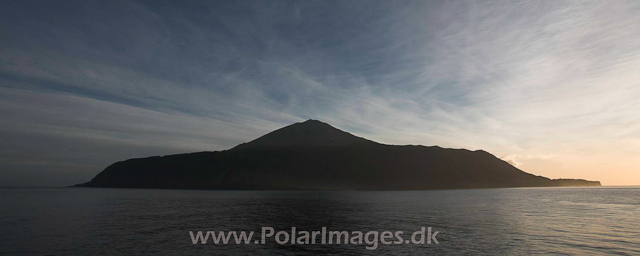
column 490, row 221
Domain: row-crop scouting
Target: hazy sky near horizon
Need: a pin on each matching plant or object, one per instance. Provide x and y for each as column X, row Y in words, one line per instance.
column 551, row 86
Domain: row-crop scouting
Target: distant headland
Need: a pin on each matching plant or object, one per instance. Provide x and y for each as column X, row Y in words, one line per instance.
column 313, row 155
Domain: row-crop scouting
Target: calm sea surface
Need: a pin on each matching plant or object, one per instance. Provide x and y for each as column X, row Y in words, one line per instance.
column 86, row 221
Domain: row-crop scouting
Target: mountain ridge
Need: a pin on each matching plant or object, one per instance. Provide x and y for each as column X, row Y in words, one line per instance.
column 315, row 155
column 308, row 133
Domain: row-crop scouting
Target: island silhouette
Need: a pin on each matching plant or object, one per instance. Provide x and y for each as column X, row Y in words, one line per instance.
column 314, row 155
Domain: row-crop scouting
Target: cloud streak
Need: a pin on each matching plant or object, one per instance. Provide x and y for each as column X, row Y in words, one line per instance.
column 134, row 78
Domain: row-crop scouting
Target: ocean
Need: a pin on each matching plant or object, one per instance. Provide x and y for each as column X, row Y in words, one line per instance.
column 514, row 221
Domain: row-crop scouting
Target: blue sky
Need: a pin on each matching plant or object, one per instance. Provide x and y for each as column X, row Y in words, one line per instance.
column 551, row 86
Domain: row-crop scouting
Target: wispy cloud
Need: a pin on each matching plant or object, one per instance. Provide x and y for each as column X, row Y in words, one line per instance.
column 126, row 79
column 516, row 159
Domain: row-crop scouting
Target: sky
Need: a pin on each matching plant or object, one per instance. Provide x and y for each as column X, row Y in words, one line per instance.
column 553, row 87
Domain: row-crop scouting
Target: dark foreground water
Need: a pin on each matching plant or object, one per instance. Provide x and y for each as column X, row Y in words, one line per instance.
column 70, row 221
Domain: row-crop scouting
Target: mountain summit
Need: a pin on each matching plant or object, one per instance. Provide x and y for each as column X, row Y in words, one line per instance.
column 315, row 155
column 310, row 133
